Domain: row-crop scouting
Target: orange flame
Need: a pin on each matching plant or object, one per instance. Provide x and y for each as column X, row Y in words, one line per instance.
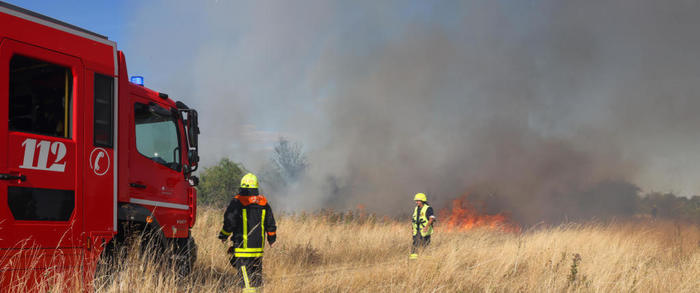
column 463, row 217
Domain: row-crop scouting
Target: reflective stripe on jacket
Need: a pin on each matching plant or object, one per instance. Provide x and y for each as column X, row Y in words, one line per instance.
column 419, row 221
column 250, row 220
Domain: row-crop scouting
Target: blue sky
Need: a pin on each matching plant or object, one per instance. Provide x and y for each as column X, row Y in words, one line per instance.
column 103, row 17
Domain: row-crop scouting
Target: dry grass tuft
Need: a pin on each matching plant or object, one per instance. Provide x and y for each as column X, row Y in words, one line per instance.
column 325, row 253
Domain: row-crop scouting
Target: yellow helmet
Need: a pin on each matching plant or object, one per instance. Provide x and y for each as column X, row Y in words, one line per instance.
column 421, row 197
column 249, row 181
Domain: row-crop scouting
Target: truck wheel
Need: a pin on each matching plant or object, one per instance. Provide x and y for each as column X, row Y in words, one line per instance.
column 184, row 255
column 106, row 266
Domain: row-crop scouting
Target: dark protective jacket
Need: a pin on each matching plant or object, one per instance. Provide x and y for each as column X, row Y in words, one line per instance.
column 249, row 221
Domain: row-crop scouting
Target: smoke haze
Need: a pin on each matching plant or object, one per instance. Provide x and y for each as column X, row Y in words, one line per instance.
column 544, row 109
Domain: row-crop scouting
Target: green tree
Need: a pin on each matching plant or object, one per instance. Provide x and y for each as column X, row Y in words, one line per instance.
column 287, row 165
column 219, row 183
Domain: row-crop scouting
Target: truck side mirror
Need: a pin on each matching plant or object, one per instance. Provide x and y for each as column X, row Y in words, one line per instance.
column 194, row 180
column 192, row 129
column 193, row 157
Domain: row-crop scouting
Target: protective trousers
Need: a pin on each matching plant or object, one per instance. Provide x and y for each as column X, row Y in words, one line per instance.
column 418, row 243
column 250, row 272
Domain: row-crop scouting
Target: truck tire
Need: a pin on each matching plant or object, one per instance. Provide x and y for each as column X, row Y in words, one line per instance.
column 106, row 266
column 184, row 255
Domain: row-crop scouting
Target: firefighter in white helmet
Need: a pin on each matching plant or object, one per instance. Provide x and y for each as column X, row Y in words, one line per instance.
column 422, row 220
column 248, row 221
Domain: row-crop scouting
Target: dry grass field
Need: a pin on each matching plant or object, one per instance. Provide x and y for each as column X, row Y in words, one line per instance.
column 327, row 253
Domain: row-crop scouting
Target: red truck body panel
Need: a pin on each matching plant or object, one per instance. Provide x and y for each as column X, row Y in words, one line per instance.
column 61, row 189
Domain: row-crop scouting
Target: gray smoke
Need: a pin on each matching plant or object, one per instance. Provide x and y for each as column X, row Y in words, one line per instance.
column 542, row 107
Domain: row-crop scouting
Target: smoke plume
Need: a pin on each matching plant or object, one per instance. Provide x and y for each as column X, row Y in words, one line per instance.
column 544, row 109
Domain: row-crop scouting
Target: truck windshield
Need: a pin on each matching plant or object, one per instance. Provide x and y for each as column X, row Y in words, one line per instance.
column 156, row 135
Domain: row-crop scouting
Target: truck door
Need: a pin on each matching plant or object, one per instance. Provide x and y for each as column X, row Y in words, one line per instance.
column 155, row 166
column 40, row 194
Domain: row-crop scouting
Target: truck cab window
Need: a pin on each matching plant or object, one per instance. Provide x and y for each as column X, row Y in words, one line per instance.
column 40, row 204
column 156, row 135
column 104, row 110
column 40, row 97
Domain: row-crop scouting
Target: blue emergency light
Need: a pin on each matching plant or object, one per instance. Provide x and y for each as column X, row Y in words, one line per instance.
column 137, row 80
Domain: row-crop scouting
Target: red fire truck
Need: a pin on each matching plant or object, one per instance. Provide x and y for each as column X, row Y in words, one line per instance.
column 86, row 156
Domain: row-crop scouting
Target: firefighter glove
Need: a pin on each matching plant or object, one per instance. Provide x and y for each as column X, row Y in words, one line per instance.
column 271, row 239
column 223, row 237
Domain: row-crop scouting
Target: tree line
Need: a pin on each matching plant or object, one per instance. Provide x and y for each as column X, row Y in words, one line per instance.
column 286, row 166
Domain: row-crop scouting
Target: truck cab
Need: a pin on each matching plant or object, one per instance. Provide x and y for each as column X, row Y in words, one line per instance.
column 84, row 152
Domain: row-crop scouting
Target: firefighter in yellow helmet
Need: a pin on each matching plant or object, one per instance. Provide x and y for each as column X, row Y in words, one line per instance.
column 249, row 222
column 422, row 220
